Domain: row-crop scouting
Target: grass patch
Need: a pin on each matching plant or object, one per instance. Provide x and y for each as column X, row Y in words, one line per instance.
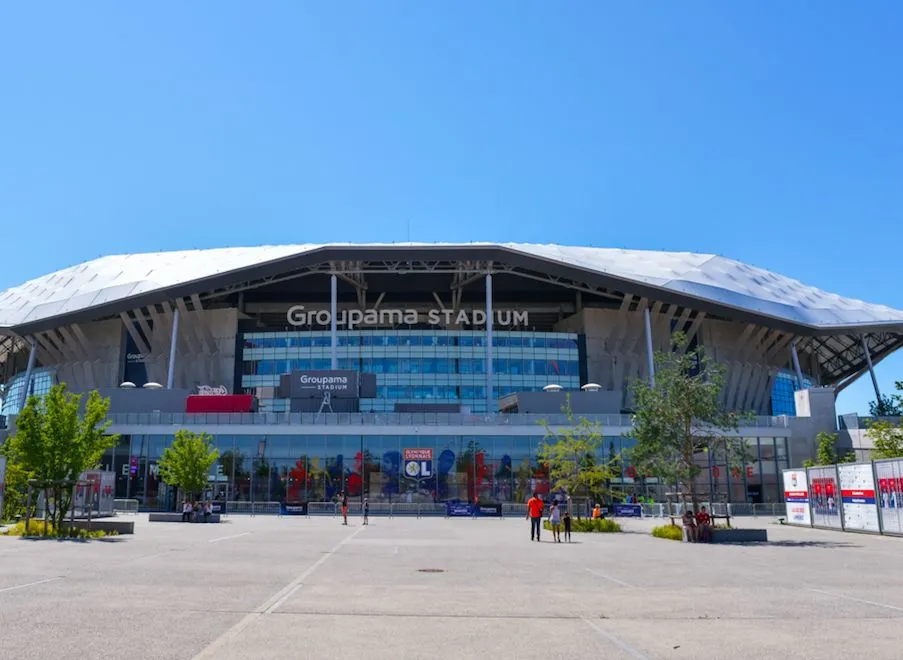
column 599, row 525
column 42, row 528
column 670, row 532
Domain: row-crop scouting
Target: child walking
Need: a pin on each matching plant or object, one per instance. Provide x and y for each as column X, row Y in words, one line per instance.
column 555, row 522
column 567, row 524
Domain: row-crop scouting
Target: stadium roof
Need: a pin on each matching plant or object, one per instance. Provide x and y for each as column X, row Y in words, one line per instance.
column 112, row 284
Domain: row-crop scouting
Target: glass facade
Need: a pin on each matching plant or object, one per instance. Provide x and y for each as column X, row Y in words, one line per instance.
column 497, row 468
column 42, row 380
column 782, row 400
column 414, row 366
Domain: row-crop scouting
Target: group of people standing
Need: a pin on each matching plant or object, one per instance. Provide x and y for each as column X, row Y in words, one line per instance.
column 365, row 508
column 556, row 518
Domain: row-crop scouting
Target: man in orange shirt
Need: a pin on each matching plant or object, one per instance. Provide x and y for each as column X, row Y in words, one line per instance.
column 535, row 505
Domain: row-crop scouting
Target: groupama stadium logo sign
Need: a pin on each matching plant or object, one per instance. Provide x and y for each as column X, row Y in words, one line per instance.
column 298, row 315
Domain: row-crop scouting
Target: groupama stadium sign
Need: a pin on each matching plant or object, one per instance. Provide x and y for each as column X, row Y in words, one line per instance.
column 298, row 315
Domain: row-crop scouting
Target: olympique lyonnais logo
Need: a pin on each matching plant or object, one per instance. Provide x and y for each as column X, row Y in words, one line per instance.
column 418, row 463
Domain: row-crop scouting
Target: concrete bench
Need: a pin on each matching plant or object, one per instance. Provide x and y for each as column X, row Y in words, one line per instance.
column 177, row 517
column 739, row 535
column 106, row 525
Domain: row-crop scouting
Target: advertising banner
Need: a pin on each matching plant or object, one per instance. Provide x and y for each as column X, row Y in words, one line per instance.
column 796, row 497
column 627, row 510
column 340, row 384
column 294, row 508
column 457, row 510
column 860, row 505
column 2, row 479
column 489, row 510
column 824, row 497
column 890, row 494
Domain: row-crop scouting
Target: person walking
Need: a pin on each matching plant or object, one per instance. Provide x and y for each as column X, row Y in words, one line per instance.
column 566, row 518
column 344, row 499
column 535, row 506
column 366, row 511
column 555, row 522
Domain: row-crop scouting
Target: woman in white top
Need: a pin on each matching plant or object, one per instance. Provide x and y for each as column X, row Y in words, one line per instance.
column 555, row 522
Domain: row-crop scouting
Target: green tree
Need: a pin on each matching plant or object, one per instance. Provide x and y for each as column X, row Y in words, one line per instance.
column 682, row 418
column 826, row 451
column 571, row 453
column 887, row 406
column 187, row 462
column 887, row 439
column 55, row 443
column 15, row 491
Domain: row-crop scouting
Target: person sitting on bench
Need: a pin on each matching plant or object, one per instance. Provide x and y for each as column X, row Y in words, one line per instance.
column 704, row 526
column 689, row 522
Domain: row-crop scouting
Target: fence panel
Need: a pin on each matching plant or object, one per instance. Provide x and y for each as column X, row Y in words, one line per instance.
column 125, row 506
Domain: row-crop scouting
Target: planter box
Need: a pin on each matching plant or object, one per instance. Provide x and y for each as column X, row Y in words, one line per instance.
column 177, row 517
column 107, row 525
column 739, row 536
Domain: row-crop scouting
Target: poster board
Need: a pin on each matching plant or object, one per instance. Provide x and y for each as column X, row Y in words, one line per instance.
column 860, row 506
column 824, row 497
column 796, row 497
column 889, row 474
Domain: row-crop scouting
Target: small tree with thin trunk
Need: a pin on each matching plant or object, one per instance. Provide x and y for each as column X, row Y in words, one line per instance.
column 186, row 463
column 55, row 443
column 681, row 418
column 573, row 456
column 826, row 451
column 887, row 439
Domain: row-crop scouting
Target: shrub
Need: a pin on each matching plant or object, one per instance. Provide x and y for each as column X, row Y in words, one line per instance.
column 41, row 528
column 670, row 532
column 599, row 525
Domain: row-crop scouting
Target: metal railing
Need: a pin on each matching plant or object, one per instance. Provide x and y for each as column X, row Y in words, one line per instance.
column 386, row 419
column 509, row 509
column 125, row 506
column 742, row 509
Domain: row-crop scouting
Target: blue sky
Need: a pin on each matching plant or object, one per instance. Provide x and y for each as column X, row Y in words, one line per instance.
column 764, row 131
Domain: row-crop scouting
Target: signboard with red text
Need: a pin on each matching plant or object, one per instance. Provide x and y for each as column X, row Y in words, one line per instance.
column 796, row 497
column 857, row 489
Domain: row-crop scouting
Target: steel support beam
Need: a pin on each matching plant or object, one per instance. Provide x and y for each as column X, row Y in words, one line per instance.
column 333, row 320
column 29, row 372
column 490, row 399
column 868, row 361
column 649, row 354
column 796, row 365
column 171, row 372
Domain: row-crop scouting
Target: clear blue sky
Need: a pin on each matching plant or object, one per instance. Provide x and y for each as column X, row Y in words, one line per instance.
column 769, row 132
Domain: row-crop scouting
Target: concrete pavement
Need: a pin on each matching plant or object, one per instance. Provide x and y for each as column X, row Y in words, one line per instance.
column 269, row 587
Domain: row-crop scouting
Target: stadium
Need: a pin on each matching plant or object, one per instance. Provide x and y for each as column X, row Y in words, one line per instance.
column 422, row 372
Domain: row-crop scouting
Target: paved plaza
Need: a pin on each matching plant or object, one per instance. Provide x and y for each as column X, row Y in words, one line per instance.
column 268, row 587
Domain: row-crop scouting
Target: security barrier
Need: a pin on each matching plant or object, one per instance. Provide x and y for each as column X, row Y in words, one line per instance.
column 125, row 506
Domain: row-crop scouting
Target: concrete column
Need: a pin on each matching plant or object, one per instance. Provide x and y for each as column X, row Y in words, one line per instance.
column 29, row 371
column 796, row 365
column 868, row 359
column 333, row 320
column 650, row 356
column 173, row 341
column 490, row 398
